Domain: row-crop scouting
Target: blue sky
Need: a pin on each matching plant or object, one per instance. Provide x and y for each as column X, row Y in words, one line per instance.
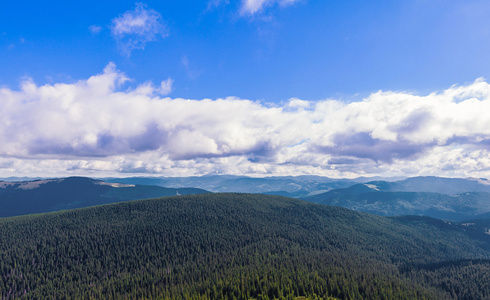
column 306, row 49
column 371, row 87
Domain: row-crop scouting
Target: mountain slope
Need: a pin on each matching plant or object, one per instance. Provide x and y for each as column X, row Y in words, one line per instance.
column 20, row 198
column 214, row 246
column 378, row 197
column 442, row 185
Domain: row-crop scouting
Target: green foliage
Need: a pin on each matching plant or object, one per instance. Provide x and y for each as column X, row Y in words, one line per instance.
column 231, row 246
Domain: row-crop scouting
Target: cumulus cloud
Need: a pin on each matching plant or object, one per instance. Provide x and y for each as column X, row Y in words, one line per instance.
column 135, row 28
column 252, row 7
column 101, row 125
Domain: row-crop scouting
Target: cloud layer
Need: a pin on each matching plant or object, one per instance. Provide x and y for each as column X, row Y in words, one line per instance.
column 135, row 28
column 101, row 125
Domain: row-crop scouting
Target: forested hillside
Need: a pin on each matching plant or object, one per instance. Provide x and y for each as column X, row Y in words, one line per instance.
column 238, row 246
column 28, row 197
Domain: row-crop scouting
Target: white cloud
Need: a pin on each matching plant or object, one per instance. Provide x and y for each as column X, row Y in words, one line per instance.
column 166, row 86
column 215, row 3
column 95, row 125
column 135, row 28
column 252, row 7
column 147, row 88
column 94, row 29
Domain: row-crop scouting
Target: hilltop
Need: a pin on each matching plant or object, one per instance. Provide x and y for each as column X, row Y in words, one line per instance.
column 242, row 246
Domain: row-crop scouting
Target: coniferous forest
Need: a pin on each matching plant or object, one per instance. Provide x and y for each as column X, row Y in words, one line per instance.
column 238, row 246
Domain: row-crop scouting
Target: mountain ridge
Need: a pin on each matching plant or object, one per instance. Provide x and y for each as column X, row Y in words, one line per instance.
column 45, row 195
column 409, row 197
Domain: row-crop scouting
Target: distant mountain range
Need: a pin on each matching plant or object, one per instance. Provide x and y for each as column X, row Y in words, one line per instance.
column 290, row 186
column 303, row 186
column 432, row 184
column 438, row 197
column 28, row 197
column 454, row 199
column 443, row 198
